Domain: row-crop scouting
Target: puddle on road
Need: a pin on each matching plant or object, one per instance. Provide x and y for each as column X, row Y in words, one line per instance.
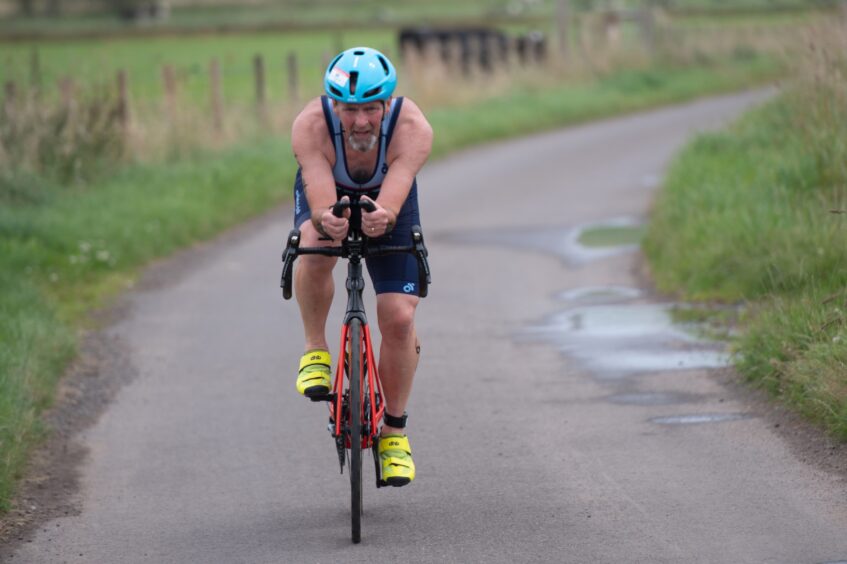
column 563, row 242
column 604, row 327
column 699, row 418
column 614, row 337
column 651, row 398
column 600, row 294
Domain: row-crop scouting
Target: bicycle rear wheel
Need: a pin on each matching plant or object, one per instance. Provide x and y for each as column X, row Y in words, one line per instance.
column 355, row 375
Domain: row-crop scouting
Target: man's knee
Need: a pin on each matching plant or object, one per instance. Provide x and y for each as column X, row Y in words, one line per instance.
column 315, row 266
column 397, row 316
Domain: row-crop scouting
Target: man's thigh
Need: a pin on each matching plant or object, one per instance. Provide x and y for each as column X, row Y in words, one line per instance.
column 398, row 273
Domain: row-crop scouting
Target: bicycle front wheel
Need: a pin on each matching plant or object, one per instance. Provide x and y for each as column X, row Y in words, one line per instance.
column 355, row 364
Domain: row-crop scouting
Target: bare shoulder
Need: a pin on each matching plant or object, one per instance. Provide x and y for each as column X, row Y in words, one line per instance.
column 412, row 135
column 308, row 132
column 412, row 118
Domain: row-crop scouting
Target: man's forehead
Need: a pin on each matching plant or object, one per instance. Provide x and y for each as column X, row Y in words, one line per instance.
column 366, row 105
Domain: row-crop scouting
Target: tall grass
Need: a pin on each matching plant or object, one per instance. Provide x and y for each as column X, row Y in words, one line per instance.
column 47, row 145
column 756, row 213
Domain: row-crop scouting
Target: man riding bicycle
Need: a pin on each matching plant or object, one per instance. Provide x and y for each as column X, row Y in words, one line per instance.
column 360, row 140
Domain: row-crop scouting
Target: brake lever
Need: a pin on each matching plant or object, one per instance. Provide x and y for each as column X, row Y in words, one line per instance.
column 288, row 256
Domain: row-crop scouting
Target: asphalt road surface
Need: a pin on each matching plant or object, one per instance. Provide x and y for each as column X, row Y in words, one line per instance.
column 553, row 418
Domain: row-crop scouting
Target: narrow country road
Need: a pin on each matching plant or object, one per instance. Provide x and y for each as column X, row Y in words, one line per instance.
column 551, row 420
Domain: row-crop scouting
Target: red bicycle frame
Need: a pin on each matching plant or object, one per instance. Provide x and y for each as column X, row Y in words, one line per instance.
column 368, row 369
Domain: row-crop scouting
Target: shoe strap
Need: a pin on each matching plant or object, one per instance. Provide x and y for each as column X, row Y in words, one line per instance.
column 313, row 358
column 394, row 442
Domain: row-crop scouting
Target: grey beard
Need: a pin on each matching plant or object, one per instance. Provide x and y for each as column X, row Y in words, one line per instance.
column 362, row 146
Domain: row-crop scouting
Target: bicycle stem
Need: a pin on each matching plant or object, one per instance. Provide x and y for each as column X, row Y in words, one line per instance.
column 355, row 283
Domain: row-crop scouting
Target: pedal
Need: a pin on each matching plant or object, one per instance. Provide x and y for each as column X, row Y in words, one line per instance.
column 322, row 397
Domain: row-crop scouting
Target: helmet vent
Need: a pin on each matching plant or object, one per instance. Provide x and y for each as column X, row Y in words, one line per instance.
column 372, row 92
column 354, row 79
column 384, row 64
column 334, row 61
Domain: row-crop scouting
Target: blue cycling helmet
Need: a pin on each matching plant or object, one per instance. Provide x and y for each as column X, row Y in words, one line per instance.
column 360, row 75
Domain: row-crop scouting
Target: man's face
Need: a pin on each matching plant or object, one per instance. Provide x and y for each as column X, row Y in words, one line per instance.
column 361, row 122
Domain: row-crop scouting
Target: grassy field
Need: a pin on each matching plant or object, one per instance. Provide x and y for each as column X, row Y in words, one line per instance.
column 92, row 61
column 373, row 12
column 322, row 13
column 756, row 214
column 97, row 61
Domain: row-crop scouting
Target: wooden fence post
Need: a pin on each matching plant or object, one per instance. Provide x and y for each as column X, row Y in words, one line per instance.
column 10, row 97
column 67, row 91
column 563, row 21
column 35, row 72
column 647, row 21
column 261, row 98
column 293, row 80
column 169, row 81
column 123, row 100
column 217, row 103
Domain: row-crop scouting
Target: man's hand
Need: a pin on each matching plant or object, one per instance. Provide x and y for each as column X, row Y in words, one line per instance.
column 333, row 227
column 378, row 222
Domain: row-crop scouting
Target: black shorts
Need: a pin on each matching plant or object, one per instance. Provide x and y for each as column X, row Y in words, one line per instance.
column 396, row 273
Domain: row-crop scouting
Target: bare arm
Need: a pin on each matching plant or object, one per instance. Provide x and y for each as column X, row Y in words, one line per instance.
column 410, row 147
column 309, row 139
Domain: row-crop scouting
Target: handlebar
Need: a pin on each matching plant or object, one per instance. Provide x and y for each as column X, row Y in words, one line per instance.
column 354, row 204
column 339, row 206
column 357, row 247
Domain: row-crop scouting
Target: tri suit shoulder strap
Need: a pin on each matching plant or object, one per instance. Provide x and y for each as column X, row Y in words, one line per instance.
column 328, row 116
column 395, row 112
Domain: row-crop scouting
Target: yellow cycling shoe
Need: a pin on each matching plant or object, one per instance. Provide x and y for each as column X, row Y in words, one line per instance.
column 396, row 456
column 315, row 373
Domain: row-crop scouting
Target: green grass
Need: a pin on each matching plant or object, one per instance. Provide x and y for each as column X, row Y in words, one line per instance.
column 747, row 215
column 61, row 258
column 69, row 249
column 758, row 221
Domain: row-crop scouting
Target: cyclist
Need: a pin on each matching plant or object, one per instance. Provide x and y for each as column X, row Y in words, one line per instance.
column 360, row 139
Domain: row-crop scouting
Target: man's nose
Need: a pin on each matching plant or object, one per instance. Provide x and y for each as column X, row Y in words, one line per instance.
column 362, row 118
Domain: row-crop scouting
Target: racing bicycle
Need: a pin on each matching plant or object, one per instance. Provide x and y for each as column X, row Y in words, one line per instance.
column 355, row 400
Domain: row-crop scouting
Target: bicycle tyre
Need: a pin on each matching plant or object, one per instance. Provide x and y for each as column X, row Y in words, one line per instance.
column 355, row 375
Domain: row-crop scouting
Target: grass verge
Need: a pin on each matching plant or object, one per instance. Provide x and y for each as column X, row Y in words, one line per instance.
column 755, row 214
column 68, row 252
